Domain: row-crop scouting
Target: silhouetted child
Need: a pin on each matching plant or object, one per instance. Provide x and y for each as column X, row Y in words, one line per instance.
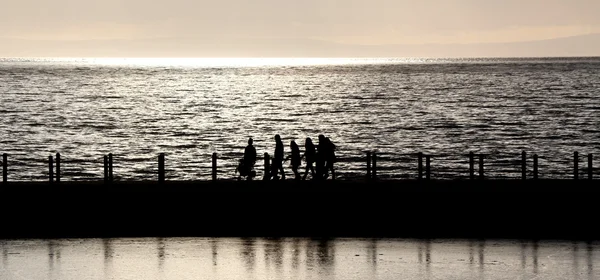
column 309, row 157
column 319, row 166
column 277, row 164
column 296, row 159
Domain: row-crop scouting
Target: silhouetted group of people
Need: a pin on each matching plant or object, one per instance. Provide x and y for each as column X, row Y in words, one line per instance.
column 319, row 160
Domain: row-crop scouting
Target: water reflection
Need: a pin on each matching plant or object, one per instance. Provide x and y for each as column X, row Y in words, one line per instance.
column 53, row 254
column 523, row 254
column 471, row 252
column 372, row 252
column 107, row 248
column 535, row 256
column 481, row 252
column 295, row 253
column 590, row 264
column 214, row 249
column 274, row 252
column 248, row 253
column 320, row 254
column 4, row 254
column 161, row 252
column 575, row 258
column 425, row 248
column 295, row 258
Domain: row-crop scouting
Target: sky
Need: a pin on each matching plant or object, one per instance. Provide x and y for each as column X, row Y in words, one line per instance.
column 36, row 26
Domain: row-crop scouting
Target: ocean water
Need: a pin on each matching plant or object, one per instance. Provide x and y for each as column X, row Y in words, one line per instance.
column 191, row 108
column 296, row 258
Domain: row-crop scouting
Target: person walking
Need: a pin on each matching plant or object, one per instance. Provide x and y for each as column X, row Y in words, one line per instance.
column 309, row 157
column 326, row 157
column 277, row 164
column 248, row 161
column 296, row 159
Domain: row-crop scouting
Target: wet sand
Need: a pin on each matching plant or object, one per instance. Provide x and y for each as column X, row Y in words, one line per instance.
column 542, row 209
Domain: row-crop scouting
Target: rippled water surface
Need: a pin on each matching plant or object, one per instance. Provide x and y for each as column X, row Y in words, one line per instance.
column 189, row 109
column 259, row 258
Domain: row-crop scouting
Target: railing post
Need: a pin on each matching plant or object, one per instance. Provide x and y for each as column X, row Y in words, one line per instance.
column 420, row 167
column 50, row 170
column 481, row 175
column 471, row 166
column 368, row 165
column 110, row 167
column 535, row 166
column 4, row 168
column 214, row 166
column 590, row 167
column 374, row 160
column 58, row 167
column 576, row 166
column 161, row 168
column 428, row 167
column 267, row 173
column 523, row 165
column 105, row 169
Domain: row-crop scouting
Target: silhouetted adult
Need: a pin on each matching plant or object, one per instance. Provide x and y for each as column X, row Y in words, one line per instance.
column 296, row 159
column 326, row 156
column 277, row 164
column 249, row 160
column 309, row 157
column 329, row 158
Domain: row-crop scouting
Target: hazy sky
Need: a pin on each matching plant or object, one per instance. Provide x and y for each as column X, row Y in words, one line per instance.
column 364, row 22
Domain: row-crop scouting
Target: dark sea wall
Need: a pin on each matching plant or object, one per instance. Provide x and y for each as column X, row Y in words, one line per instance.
column 515, row 209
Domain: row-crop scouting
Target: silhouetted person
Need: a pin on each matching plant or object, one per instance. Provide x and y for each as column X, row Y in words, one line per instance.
column 309, row 157
column 296, row 159
column 329, row 158
column 248, row 161
column 277, row 164
column 326, row 156
column 320, row 158
column 322, row 150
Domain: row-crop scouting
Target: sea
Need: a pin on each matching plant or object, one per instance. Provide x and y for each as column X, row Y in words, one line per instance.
column 188, row 109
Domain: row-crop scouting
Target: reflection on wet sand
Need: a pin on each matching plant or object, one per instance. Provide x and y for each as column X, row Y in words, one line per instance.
column 590, row 263
column 277, row 258
column 535, row 256
column 107, row 249
column 295, row 253
column 53, row 253
column 471, row 252
column 424, row 248
column 214, row 251
column 372, row 252
column 161, row 252
column 481, row 252
column 4, row 254
column 523, row 254
column 320, row 254
column 248, row 253
column 274, row 253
